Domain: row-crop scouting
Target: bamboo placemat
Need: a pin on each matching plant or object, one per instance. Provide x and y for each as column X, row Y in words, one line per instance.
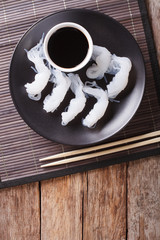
column 21, row 147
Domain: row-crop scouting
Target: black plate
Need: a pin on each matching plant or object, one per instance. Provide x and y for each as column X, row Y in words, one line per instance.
column 104, row 31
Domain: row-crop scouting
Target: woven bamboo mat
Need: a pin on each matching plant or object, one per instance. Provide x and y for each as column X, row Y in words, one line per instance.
column 21, row 147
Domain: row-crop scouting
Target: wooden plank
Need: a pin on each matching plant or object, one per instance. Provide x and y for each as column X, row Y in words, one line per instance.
column 105, row 204
column 61, row 208
column 20, row 212
column 144, row 199
column 143, row 176
column 154, row 14
column 89, row 205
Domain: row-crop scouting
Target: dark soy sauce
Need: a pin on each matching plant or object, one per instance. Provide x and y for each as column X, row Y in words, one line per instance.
column 67, row 47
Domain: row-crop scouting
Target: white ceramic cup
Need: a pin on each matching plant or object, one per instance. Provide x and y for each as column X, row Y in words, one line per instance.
column 88, row 55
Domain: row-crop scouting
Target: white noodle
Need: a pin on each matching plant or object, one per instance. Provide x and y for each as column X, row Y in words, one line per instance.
column 120, row 66
column 102, row 58
column 43, row 73
column 53, row 100
column 99, row 107
column 76, row 104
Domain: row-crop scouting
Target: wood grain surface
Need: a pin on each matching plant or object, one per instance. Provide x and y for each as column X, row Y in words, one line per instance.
column 143, row 185
column 105, row 204
column 62, row 207
column 144, row 199
column 154, row 15
column 20, row 212
column 118, row 202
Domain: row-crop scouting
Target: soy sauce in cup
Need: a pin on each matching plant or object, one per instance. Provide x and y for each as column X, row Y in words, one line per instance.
column 68, row 47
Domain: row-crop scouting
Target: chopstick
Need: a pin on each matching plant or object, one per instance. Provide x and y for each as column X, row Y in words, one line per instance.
column 153, row 139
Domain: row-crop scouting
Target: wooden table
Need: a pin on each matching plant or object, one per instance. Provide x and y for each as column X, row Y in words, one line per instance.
column 118, row 202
